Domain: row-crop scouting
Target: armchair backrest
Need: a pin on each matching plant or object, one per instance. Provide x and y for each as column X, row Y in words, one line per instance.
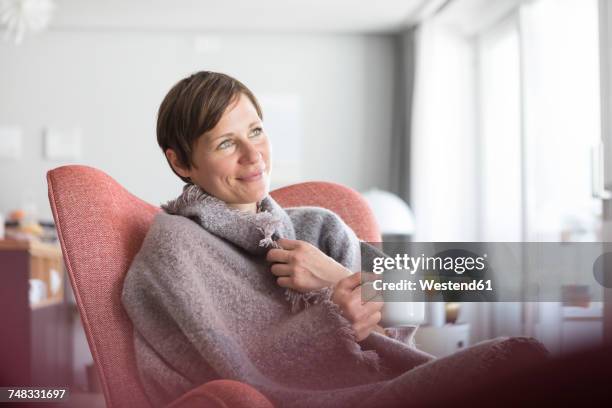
column 344, row 201
column 101, row 227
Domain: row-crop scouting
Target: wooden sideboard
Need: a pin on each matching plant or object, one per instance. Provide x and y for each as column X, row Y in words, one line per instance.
column 35, row 339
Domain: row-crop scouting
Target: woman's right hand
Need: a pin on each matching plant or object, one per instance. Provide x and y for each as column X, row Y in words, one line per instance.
column 363, row 315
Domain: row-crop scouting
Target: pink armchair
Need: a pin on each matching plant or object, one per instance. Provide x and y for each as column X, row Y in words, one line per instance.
column 101, row 227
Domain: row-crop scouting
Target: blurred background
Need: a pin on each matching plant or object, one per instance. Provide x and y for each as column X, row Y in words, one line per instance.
column 487, row 120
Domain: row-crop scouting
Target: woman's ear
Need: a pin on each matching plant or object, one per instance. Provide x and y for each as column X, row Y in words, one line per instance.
column 176, row 164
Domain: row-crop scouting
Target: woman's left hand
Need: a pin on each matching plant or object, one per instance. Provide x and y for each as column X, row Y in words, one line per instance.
column 301, row 266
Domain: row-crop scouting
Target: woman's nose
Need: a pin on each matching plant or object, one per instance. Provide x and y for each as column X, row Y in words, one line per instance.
column 250, row 153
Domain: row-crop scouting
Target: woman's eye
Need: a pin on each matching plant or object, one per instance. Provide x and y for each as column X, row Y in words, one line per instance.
column 225, row 144
column 257, row 131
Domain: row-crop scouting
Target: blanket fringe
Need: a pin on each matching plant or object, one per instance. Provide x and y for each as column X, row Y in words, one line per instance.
column 191, row 193
column 267, row 242
column 297, row 299
column 368, row 357
column 346, row 333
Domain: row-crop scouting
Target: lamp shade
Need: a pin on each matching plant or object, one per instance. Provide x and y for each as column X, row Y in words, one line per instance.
column 392, row 213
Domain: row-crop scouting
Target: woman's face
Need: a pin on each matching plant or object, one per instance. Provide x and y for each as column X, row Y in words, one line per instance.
column 232, row 161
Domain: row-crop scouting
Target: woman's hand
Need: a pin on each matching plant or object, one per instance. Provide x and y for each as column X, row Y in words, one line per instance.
column 363, row 315
column 301, row 266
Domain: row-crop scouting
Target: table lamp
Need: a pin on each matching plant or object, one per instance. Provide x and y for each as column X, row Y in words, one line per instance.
column 393, row 215
column 395, row 219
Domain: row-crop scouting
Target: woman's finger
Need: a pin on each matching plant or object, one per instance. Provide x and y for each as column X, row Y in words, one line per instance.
column 373, row 307
column 349, row 283
column 368, row 277
column 364, row 296
column 284, row 282
column 367, row 324
column 369, row 294
column 288, row 243
column 278, row 255
column 280, row 269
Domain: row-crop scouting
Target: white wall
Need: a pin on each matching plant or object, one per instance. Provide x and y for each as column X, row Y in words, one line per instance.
column 110, row 85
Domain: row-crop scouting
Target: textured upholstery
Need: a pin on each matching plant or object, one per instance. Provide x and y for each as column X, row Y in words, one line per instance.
column 346, row 202
column 101, row 227
column 222, row 394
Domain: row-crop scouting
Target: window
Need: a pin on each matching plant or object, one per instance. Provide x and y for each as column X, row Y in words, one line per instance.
column 539, row 118
column 499, row 97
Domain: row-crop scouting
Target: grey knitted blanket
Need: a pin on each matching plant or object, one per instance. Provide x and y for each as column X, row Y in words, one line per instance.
column 205, row 306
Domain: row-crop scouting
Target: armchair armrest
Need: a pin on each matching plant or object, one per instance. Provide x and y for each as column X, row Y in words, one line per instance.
column 222, row 394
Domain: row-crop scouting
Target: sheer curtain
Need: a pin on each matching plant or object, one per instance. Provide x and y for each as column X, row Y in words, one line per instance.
column 443, row 138
column 560, row 50
column 443, row 149
column 504, row 115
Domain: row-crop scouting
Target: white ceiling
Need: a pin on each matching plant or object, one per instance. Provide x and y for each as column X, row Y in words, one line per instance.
column 240, row 15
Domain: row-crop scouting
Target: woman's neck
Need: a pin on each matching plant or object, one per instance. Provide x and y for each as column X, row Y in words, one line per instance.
column 250, row 207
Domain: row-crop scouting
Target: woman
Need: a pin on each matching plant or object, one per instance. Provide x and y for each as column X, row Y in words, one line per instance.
column 231, row 161
column 229, row 285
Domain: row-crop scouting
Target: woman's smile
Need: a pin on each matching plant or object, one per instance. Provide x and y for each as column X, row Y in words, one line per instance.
column 252, row 176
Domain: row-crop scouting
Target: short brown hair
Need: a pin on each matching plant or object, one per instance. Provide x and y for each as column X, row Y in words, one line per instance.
column 193, row 107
